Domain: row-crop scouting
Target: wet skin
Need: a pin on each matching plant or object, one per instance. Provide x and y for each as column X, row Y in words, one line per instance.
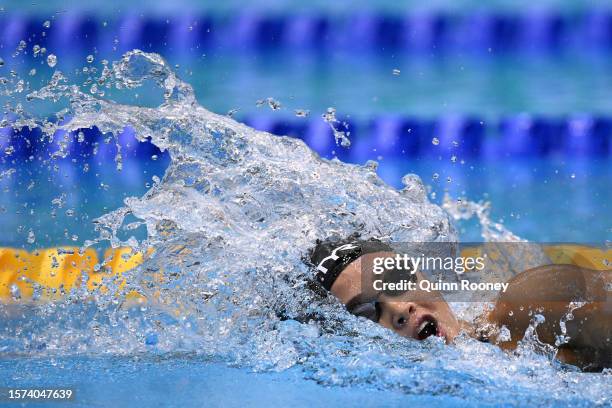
column 405, row 314
column 546, row 290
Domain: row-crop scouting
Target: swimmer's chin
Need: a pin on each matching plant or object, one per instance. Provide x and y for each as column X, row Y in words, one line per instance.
column 451, row 338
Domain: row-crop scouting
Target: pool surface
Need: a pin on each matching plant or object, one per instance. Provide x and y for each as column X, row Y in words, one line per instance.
column 184, row 381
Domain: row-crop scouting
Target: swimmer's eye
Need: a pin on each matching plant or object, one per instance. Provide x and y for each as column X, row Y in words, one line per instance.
column 370, row 310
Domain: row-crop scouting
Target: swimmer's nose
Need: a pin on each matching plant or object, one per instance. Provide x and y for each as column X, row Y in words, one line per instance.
column 402, row 318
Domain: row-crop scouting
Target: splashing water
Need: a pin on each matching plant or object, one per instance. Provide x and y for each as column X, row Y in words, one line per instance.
column 491, row 231
column 342, row 137
column 230, row 224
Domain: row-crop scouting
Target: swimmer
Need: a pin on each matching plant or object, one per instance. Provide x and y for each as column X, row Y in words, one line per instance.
column 547, row 290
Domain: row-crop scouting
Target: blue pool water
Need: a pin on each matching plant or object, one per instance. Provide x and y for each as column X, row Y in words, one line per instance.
column 523, row 93
column 184, row 381
column 544, row 200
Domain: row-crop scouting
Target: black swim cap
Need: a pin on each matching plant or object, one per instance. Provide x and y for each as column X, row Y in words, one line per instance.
column 331, row 257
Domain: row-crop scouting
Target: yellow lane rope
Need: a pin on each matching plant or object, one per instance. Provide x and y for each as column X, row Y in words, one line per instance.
column 59, row 270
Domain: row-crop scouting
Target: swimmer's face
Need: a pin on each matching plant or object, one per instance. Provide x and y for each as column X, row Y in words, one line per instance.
column 414, row 313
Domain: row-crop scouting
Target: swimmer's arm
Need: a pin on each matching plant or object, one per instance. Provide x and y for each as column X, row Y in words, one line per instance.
column 548, row 290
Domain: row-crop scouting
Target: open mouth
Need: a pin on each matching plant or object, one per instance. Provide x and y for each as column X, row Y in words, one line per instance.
column 428, row 327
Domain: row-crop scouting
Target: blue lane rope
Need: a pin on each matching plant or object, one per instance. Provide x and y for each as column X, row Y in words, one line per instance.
column 462, row 136
column 387, row 136
column 417, row 32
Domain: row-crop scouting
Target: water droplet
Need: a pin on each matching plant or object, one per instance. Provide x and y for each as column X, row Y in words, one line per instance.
column 302, row 113
column 573, row 175
column 51, row 60
column 330, row 115
column 504, row 334
column 90, row 58
column 435, row 176
column 1, row 62
column 273, row 103
column 47, row 24
column 31, row 237
column 453, row 158
column 15, row 292
column 435, row 141
column 371, row 165
column 33, row 72
column 396, row 72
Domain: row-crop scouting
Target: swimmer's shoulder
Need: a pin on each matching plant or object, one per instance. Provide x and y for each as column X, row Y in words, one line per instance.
column 558, row 282
column 553, row 291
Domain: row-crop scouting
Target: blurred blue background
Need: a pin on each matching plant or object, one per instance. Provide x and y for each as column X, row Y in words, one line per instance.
column 508, row 101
